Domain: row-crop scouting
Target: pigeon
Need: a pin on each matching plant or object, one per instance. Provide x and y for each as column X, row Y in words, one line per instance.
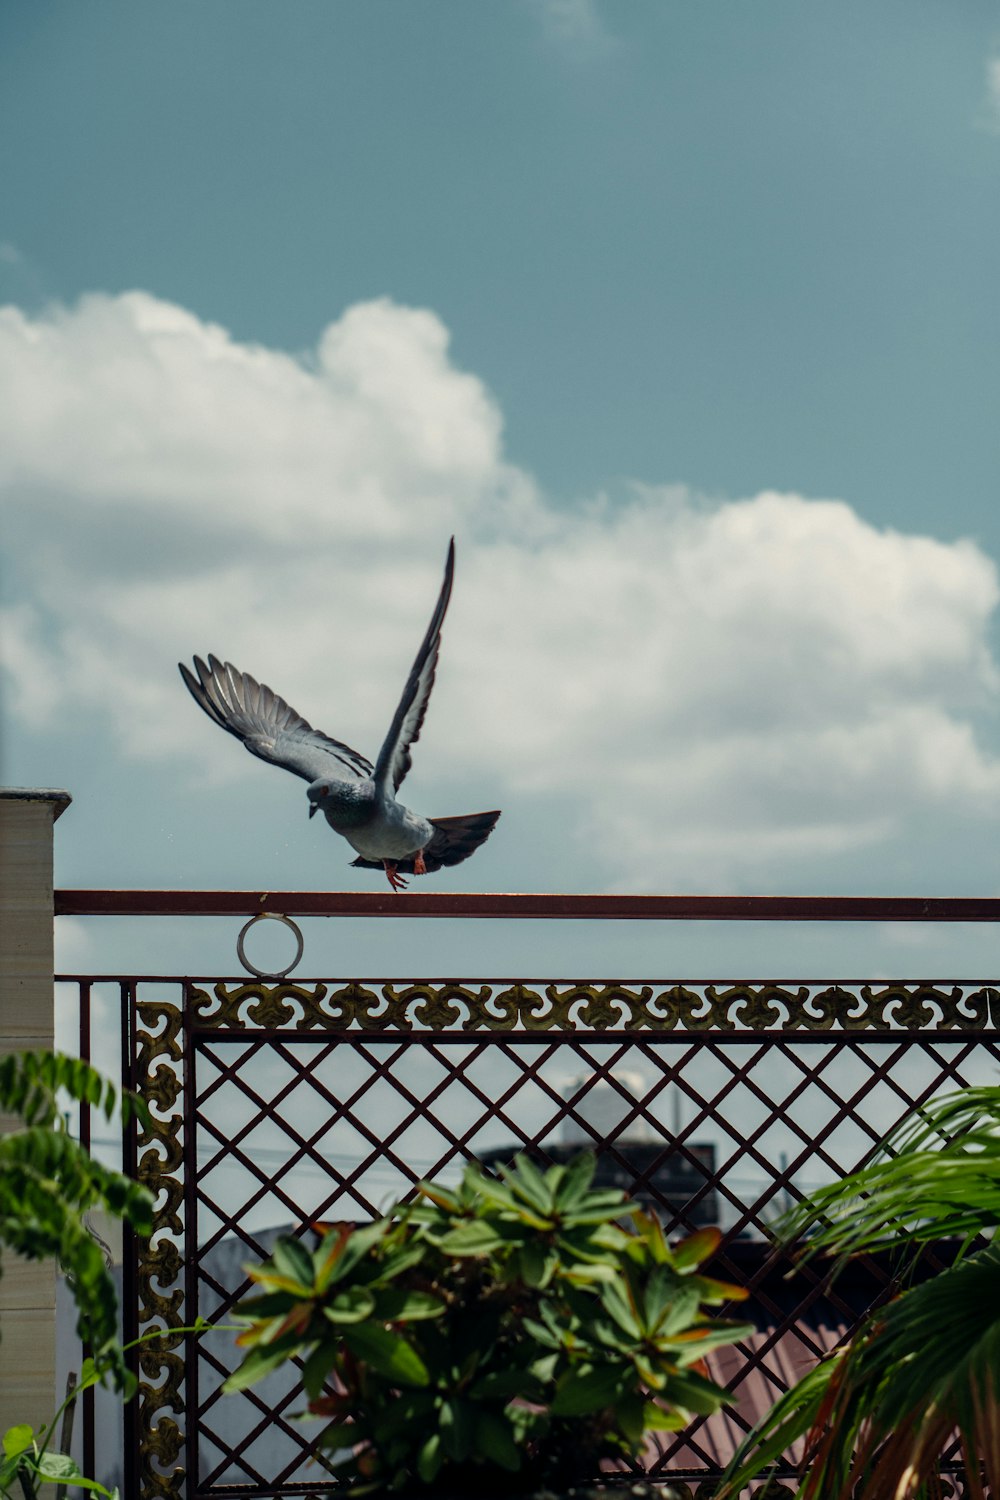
column 356, row 798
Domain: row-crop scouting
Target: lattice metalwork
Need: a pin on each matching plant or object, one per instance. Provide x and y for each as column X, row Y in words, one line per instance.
column 276, row 1105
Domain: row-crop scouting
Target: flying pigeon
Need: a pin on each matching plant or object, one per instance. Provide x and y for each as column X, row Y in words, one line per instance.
column 357, row 798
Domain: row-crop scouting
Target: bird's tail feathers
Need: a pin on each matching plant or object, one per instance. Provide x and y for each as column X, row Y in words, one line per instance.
column 453, row 840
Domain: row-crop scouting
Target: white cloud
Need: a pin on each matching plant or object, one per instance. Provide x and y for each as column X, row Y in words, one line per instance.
column 991, row 111
column 686, row 694
column 138, row 406
column 574, row 25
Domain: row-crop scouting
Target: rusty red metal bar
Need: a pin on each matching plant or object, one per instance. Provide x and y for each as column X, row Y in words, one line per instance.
column 590, row 908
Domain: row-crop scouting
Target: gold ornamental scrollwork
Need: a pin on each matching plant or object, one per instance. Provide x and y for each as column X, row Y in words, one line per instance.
column 160, row 1257
column 580, row 1006
column 257, row 1004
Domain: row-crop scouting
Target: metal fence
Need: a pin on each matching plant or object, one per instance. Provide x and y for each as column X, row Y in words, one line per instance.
column 277, row 1103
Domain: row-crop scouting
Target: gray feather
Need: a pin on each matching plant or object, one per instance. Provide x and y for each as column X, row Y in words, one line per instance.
column 394, row 757
column 268, row 726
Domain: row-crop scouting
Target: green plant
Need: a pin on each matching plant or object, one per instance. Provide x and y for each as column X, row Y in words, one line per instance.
column 878, row 1415
column 503, row 1328
column 48, row 1181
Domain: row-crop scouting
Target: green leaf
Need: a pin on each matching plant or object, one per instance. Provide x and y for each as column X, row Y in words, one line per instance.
column 9, row 1469
column 495, row 1440
column 527, row 1423
column 89, row 1375
column 618, row 1305
column 590, row 1275
column 327, row 1256
column 18, row 1439
column 669, row 1307
column 360, row 1242
column 596, row 1202
column 698, row 1247
column 397, row 1306
column 495, row 1194
column 657, row 1418
column 579, row 1175
column 544, row 1368
column 505, row 1385
column 694, row 1393
column 525, row 1179
column 320, row 1364
column 630, row 1411
column 587, row 1388
column 687, row 1348
column 30, row 1082
column 430, row 1458
column 268, row 1305
column 542, row 1335
column 258, row 1363
column 441, row 1197
column 474, row 1237
column 537, row 1263
column 650, row 1236
column 337, row 1436
column 352, row 1304
column 457, row 1420
column 388, row 1353
column 712, row 1292
column 59, row 1468
column 293, row 1262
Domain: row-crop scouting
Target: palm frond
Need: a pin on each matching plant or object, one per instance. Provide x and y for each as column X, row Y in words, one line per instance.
column 791, row 1417
column 923, row 1370
column 937, row 1175
column 920, row 1375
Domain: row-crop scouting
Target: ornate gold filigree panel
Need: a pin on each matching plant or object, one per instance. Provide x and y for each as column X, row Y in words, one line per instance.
column 158, row 1038
column 563, row 1006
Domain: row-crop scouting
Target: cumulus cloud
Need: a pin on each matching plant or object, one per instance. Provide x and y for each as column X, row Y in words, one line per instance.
column 139, row 406
column 687, row 693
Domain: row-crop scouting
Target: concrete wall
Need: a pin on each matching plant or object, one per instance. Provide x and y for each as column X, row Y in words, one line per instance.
column 27, row 1289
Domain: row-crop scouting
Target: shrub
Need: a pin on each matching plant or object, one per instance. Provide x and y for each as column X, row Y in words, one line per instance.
column 502, row 1335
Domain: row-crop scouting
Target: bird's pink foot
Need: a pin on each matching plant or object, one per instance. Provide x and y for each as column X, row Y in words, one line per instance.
column 419, row 868
column 395, row 880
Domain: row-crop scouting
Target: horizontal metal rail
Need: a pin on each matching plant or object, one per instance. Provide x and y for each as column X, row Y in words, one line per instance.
column 85, row 903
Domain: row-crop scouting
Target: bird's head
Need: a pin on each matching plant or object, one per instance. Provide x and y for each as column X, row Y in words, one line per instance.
column 317, row 793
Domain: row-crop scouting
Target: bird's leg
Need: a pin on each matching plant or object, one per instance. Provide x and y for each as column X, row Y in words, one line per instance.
column 419, row 868
column 396, row 881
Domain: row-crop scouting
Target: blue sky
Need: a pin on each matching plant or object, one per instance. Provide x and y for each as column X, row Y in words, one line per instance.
column 683, row 318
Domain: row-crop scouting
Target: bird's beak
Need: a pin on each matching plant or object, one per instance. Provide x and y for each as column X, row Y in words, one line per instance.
column 313, row 807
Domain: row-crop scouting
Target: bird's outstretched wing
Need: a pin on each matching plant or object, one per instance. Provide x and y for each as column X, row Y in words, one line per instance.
column 454, row 840
column 394, row 757
column 267, row 725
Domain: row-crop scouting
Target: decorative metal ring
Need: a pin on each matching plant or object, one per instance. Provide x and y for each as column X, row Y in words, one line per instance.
column 269, row 916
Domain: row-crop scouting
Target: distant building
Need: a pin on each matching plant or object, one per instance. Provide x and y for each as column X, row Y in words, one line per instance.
column 644, row 1162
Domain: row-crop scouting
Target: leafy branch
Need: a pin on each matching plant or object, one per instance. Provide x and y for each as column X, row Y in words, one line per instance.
column 49, row 1181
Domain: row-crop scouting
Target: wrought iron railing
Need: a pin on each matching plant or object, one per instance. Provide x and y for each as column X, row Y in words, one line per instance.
column 277, row 1102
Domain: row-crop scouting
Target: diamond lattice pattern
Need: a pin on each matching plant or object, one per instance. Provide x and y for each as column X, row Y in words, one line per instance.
column 733, row 1128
